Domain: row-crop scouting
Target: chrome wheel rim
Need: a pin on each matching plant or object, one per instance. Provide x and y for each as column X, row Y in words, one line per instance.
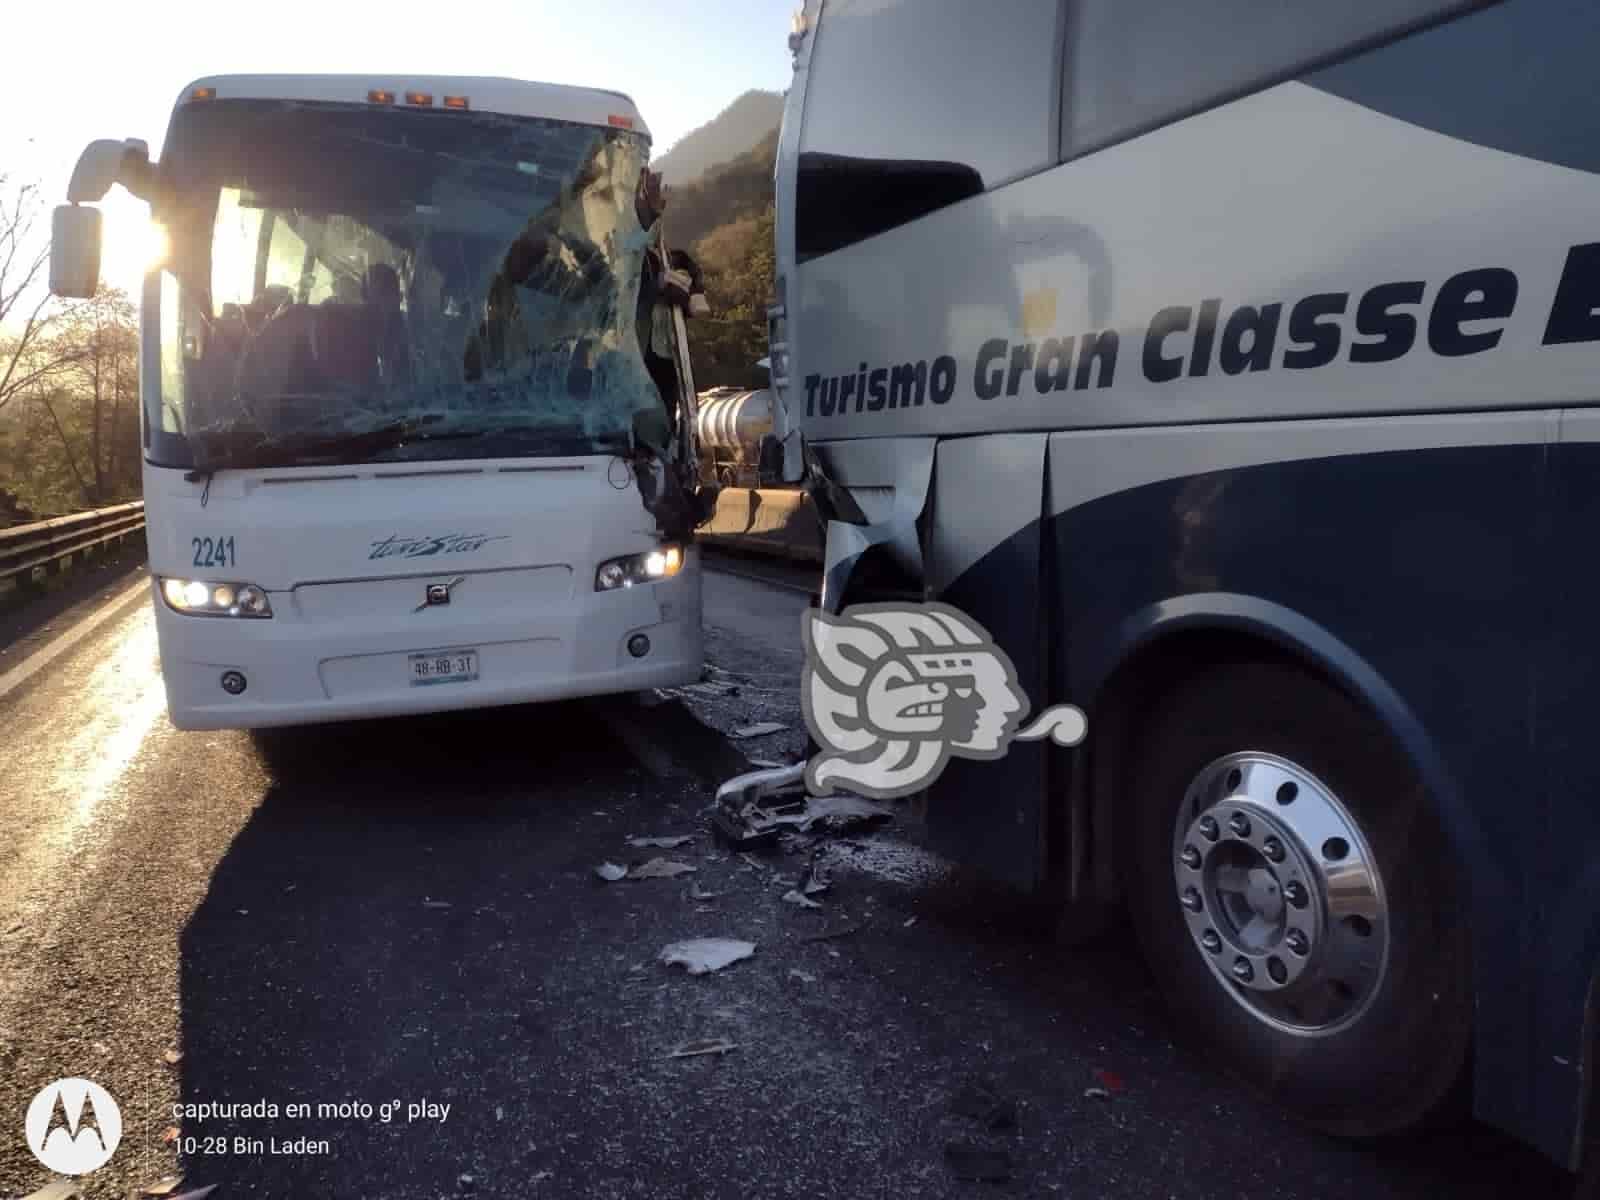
column 1281, row 893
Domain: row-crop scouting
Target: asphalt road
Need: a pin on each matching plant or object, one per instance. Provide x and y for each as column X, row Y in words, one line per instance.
column 406, row 913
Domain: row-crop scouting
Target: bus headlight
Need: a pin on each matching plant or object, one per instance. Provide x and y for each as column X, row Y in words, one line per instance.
column 652, row 565
column 198, row 599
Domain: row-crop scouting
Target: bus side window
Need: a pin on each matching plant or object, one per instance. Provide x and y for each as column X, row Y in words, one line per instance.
column 916, row 104
column 1133, row 65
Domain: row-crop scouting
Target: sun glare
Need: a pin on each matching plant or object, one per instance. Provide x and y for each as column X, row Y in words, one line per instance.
column 132, row 244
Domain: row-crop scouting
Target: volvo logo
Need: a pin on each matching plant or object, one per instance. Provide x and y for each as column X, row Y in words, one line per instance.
column 437, row 593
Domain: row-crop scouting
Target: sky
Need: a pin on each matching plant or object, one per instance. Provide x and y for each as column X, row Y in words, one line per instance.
column 113, row 68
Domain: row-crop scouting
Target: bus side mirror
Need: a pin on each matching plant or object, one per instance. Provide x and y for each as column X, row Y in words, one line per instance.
column 75, row 251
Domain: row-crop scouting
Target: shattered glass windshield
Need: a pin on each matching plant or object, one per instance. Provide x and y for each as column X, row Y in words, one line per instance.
column 351, row 283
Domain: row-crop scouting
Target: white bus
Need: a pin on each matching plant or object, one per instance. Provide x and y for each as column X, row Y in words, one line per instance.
column 1237, row 365
column 415, row 438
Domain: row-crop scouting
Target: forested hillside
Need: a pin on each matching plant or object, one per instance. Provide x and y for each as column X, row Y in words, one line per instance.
column 725, row 218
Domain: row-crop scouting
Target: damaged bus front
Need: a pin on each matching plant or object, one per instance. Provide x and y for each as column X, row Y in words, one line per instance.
column 417, row 410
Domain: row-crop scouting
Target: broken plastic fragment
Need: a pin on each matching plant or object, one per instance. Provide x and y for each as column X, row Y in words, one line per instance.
column 610, row 872
column 162, row 1187
column 660, row 868
column 797, row 973
column 1096, row 1094
column 664, row 843
column 834, row 812
column 797, row 897
column 426, row 903
column 759, row 729
column 699, row 956
column 704, row 1046
column 696, row 893
column 172, row 1057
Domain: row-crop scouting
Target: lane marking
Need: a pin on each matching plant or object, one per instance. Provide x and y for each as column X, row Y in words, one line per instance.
column 48, row 653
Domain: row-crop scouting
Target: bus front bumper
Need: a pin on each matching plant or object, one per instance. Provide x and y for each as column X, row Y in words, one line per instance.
column 299, row 673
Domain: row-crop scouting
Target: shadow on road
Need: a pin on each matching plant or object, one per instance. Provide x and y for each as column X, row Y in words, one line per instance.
column 379, row 932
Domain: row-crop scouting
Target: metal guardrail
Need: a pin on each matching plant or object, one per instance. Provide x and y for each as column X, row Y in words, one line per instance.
column 25, row 549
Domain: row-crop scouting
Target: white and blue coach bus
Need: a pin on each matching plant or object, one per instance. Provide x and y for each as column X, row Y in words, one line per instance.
column 1238, row 366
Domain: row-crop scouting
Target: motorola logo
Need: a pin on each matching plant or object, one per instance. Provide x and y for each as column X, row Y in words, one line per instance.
column 73, row 1126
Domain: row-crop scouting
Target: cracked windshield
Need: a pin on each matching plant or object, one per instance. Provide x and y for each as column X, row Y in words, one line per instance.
column 348, row 285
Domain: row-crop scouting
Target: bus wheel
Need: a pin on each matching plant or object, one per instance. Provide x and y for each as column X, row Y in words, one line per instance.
column 1294, row 896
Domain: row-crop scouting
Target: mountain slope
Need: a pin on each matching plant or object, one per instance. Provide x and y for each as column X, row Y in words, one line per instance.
column 726, row 136
column 724, row 194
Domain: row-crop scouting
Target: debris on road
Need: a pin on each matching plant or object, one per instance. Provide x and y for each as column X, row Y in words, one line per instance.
column 663, row 843
column 704, row 1046
column 162, row 1187
column 659, row 868
column 909, row 922
column 426, row 903
column 799, row 898
column 61, row 1189
column 980, row 1102
column 1095, row 1093
column 173, row 1057
column 610, row 872
column 170, row 1135
column 974, row 1162
column 756, row 824
column 759, row 729
column 803, row 977
column 697, row 893
column 699, row 956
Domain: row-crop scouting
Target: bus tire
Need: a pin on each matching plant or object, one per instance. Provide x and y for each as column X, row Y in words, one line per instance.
column 1349, row 1008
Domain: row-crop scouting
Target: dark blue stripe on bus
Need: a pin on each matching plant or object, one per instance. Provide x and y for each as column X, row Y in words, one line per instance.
column 1460, row 579
column 1518, row 77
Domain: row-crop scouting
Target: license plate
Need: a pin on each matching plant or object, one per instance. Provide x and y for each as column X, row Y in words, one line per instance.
column 444, row 666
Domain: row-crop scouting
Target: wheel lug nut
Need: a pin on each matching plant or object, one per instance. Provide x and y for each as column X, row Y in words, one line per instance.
column 1295, row 893
column 1273, row 849
column 1211, row 941
column 1240, row 824
column 1296, row 941
column 1243, row 971
column 1191, row 858
column 1208, row 828
column 1191, row 900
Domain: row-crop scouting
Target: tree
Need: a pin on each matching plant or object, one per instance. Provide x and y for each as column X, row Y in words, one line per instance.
column 739, row 263
column 26, row 309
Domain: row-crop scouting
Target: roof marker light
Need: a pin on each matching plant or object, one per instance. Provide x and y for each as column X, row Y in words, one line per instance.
column 620, row 122
column 380, row 96
column 421, row 99
column 455, row 102
column 203, row 93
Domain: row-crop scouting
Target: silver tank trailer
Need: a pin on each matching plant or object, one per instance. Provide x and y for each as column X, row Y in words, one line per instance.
column 730, row 425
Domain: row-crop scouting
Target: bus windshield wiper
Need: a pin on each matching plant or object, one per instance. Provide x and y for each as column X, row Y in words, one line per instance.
column 342, row 447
